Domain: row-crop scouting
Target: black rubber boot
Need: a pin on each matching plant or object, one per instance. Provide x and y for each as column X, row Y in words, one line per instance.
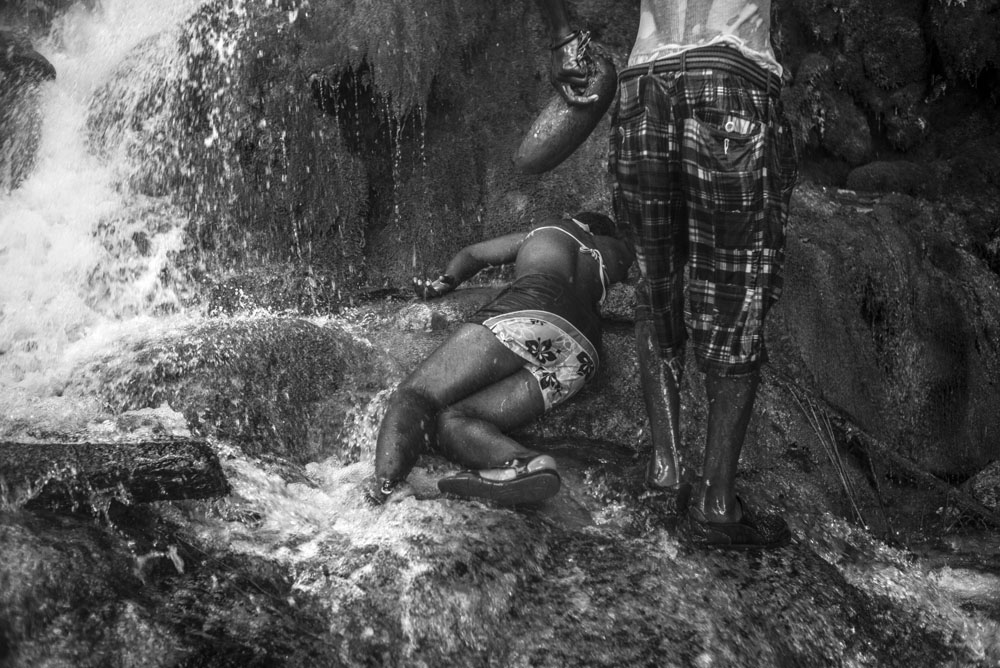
column 660, row 381
column 730, row 406
column 717, row 517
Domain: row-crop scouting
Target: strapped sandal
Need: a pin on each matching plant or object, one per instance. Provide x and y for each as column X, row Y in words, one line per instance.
column 751, row 532
column 519, row 481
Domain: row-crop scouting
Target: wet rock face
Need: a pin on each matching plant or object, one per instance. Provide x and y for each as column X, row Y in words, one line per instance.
column 881, row 68
column 440, row 582
column 899, row 56
column 985, row 485
column 85, row 475
column 76, row 592
column 386, row 143
column 22, row 70
column 899, row 176
column 965, row 34
column 38, row 14
column 277, row 386
column 892, row 318
column 18, row 60
column 846, row 134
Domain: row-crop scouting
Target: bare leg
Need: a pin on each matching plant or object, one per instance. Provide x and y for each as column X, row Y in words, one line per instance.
column 472, row 431
column 662, row 397
column 470, row 360
column 505, row 472
column 730, row 405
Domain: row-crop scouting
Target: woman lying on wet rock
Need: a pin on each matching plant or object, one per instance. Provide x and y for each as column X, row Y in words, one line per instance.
column 527, row 351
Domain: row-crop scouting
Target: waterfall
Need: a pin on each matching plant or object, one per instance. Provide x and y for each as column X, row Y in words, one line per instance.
column 79, row 249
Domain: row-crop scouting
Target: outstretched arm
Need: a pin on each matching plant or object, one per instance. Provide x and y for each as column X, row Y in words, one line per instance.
column 468, row 262
column 567, row 71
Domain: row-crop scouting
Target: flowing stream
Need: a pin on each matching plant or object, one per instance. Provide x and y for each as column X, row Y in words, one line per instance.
column 67, row 233
column 84, row 259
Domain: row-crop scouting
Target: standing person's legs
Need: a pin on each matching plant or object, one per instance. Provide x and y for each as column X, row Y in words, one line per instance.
column 649, row 198
column 737, row 206
column 470, row 359
column 660, row 381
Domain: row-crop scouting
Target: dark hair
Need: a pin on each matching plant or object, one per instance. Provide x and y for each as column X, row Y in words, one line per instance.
column 598, row 223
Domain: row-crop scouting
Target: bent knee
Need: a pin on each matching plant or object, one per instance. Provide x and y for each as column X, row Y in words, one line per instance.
column 450, row 418
column 453, row 423
column 415, row 394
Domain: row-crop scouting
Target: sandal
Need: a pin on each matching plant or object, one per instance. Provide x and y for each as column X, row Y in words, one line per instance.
column 750, row 532
column 519, row 481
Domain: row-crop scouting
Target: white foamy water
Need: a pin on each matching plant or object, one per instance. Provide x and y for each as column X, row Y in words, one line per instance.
column 63, row 230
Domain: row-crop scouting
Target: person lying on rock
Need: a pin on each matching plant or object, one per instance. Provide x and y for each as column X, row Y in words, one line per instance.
column 528, row 350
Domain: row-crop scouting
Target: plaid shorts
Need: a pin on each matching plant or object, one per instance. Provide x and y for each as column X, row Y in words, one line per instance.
column 704, row 165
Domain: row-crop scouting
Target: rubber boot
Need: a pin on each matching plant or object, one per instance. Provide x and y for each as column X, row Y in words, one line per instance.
column 718, row 518
column 660, row 382
column 730, row 406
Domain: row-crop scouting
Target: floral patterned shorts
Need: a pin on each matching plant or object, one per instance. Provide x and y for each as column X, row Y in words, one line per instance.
column 560, row 358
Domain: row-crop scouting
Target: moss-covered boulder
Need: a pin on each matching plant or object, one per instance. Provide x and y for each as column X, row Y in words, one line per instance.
column 965, row 33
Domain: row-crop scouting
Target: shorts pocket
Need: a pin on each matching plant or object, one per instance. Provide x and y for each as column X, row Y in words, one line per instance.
column 724, row 160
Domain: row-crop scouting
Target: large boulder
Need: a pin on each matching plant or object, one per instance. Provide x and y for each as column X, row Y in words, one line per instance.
column 276, row 386
column 898, row 176
column 965, row 34
column 76, row 475
column 889, row 314
column 898, row 56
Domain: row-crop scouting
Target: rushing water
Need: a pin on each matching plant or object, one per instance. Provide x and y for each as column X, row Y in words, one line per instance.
column 83, row 259
column 66, row 232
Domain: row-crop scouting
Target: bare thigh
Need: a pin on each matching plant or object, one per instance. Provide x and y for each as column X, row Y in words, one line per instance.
column 470, row 360
column 507, row 404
